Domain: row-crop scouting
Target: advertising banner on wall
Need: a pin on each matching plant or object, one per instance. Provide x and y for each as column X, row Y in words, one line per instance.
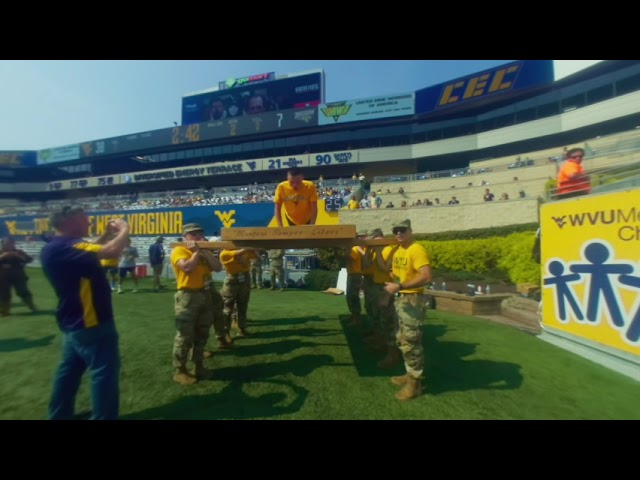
column 371, row 108
column 509, row 79
column 59, row 154
column 591, row 268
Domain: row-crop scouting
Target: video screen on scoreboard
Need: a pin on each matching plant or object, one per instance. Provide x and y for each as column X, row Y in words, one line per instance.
column 283, row 94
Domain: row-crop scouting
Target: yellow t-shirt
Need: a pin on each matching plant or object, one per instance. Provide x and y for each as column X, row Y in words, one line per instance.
column 197, row 278
column 109, row 262
column 234, row 263
column 353, row 204
column 297, row 203
column 380, row 276
column 406, row 263
column 354, row 261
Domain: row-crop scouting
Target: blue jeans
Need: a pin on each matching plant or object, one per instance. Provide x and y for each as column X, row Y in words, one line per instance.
column 97, row 349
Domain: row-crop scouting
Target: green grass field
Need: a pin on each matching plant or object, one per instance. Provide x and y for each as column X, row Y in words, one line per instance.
column 303, row 364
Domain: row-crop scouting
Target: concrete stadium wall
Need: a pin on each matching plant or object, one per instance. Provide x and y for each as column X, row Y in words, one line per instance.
column 446, row 218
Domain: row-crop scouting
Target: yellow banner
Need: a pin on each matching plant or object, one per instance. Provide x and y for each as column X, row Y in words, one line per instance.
column 591, row 268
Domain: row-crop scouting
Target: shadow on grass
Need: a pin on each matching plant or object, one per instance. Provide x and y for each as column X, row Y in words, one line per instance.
column 281, row 347
column 295, row 332
column 15, row 344
column 287, row 321
column 233, row 402
column 446, row 369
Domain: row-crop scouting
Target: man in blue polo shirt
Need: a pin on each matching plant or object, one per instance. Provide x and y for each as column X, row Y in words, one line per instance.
column 84, row 313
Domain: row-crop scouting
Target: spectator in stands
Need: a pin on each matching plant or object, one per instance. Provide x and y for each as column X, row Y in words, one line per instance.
column 403, row 204
column 217, row 110
column 90, row 339
column 353, row 203
column 427, row 202
column 488, row 196
column 436, row 201
column 255, row 104
column 522, row 194
column 401, row 190
column 236, row 290
column 377, row 201
column 276, row 268
column 13, row 275
column 390, row 205
column 299, row 198
column 365, row 203
column 128, row 265
column 411, row 266
column 453, row 201
column 156, row 259
column 504, row 196
column 193, row 304
column 572, row 179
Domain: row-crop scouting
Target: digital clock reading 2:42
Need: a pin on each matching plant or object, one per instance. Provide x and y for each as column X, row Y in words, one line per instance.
column 186, row 134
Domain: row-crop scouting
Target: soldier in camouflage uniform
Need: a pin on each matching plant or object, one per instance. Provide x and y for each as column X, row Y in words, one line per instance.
column 237, row 286
column 13, row 275
column 353, row 257
column 412, row 269
column 256, row 271
column 193, row 304
column 385, row 321
column 276, row 268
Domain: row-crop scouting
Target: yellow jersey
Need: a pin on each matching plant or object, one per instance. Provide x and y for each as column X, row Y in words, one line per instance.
column 197, row 278
column 407, row 262
column 297, row 203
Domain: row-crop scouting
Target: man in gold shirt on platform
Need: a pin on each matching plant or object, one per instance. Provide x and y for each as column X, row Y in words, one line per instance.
column 412, row 268
column 236, row 290
column 193, row 304
column 298, row 197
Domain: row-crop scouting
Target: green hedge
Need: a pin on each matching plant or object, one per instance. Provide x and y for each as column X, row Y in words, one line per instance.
column 321, row 279
column 477, row 233
column 510, row 254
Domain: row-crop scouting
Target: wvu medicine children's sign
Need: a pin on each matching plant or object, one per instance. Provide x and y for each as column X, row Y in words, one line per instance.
column 591, row 268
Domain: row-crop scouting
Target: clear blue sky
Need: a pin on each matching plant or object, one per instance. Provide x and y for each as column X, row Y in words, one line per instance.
column 50, row 103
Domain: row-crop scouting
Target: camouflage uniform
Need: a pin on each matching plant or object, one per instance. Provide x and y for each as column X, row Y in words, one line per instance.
column 411, row 310
column 276, row 267
column 193, row 322
column 236, row 290
column 256, row 272
column 12, row 274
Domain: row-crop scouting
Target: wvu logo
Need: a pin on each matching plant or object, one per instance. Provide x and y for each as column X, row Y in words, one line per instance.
column 559, row 221
column 11, row 226
column 336, row 110
column 252, row 165
column 87, row 148
column 226, row 217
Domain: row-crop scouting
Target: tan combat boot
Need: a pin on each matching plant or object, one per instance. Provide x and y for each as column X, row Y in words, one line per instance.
column 183, row 377
column 393, row 358
column 412, row 389
column 401, row 380
column 203, row 373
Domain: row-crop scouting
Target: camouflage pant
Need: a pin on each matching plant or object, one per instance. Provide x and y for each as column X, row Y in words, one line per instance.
column 354, row 284
column 218, row 313
column 369, row 298
column 236, row 290
column 193, row 322
column 276, row 270
column 385, row 318
column 256, row 275
column 411, row 310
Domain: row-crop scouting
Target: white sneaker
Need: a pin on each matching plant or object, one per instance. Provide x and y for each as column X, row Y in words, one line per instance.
column 134, row 291
column 120, row 291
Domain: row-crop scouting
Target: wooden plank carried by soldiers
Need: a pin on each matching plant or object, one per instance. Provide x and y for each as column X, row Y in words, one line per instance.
column 304, row 232
column 311, row 243
column 304, row 236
